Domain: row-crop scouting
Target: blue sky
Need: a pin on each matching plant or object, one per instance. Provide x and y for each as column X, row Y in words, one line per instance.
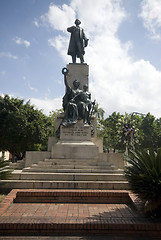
column 123, row 53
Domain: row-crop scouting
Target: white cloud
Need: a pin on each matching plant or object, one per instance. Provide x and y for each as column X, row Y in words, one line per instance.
column 151, row 16
column 58, row 17
column 47, row 105
column 29, row 86
column 8, row 55
column 117, row 81
column 20, row 41
column 36, row 23
column 60, row 43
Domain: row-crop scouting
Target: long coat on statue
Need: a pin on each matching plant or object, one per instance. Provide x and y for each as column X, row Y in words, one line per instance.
column 78, row 41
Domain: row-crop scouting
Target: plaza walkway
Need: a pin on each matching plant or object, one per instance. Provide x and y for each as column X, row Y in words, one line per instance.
column 79, row 213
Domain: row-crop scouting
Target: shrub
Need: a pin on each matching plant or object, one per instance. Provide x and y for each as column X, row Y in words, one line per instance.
column 143, row 172
column 5, row 171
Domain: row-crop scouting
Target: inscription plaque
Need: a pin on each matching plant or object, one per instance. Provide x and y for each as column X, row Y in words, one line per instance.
column 78, row 131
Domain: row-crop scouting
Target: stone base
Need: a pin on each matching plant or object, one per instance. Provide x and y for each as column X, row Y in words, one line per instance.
column 78, row 72
column 74, row 149
column 93, row 122
column 75, row 142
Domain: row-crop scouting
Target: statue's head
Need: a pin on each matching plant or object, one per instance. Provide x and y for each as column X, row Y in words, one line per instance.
column 85, row 87
column 76, row 83
column 77, row 22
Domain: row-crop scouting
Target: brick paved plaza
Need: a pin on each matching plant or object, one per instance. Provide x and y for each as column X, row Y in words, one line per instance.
column 81, row 217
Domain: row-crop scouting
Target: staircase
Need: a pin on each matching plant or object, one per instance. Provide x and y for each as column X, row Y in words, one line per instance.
column 70, row 174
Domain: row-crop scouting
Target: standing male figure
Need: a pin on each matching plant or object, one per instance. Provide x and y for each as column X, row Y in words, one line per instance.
column 78, row 42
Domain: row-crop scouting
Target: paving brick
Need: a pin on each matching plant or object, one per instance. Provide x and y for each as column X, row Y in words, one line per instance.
column 61, row 218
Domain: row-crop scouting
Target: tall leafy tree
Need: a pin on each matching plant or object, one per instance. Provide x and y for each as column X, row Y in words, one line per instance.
column 110, row 134
column 150, row 130
column 121, row 131
column 158, row 132
column 51, row 121
column 98, row 112
column 22, row 127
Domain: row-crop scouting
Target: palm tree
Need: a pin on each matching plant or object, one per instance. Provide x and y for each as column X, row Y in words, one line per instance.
column 98, row 112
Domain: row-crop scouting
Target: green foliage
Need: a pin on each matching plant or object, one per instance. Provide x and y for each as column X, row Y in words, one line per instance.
column 22, row 127
column 51, row 121
column 143, row 172
column 4, row 169
column 128, row 137
column 149, row 127
column 98, row 112
column 110, row 131
column 113, row 132
column 146, row 131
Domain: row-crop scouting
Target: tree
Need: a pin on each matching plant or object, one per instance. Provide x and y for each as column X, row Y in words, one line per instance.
column 158, row 132
column 98, row 112
column 110, row 135
column 51, row 121
column 128, row 133
column 22, row 127
column 150, row 131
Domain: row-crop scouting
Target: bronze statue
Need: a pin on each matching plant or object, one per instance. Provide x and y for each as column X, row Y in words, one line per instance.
column 76, row 103
column 78, row 42
column 86, row 98
column 69, row 104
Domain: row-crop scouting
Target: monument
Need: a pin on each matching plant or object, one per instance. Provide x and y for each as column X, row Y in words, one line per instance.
column 76, row 126
column 75, row 157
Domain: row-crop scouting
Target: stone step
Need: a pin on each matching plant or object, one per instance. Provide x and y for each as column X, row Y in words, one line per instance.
column 62, row 160
column 72, row 159
column 67, row 176
column 72, row 196
column 58, row 170
column 73, row 164
column 35, row 184
column 45, row 166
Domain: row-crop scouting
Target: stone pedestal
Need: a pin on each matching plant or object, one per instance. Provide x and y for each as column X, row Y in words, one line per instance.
column 78, row 72
column 75, row 142
column 75, row 150
column 61, row 116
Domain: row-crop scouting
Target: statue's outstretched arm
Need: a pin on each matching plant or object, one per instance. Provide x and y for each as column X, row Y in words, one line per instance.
column 71, row 29
column 65, row 72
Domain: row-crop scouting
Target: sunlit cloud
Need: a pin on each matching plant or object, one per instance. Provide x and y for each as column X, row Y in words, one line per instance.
column 8, row 55
column 20, row 41
column 64, row 13
column 36, row 23
column 47, row 105
column 151, row 16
